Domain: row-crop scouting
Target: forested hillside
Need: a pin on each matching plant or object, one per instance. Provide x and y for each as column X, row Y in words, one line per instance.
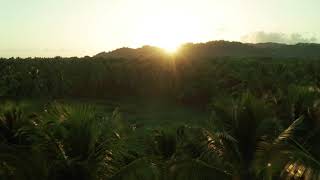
column 195, row 74
column 214, row 49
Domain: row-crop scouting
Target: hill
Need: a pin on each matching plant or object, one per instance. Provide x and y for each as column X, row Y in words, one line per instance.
column 130, row 53
column 222, row 49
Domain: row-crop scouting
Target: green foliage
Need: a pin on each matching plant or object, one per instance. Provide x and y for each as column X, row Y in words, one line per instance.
column 65, row 142
column 191, row 81
column 242, row 140
column 264, row 122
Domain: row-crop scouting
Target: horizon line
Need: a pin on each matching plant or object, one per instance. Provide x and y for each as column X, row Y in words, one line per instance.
column 114, row 49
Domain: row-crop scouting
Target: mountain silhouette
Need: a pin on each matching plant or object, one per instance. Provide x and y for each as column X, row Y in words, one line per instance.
column 130, row 53
column 214, row 49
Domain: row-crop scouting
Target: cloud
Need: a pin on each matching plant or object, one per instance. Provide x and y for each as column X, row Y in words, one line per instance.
column 262, row 37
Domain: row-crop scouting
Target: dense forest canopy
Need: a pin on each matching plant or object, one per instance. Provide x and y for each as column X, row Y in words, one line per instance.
column 260, row 102
column 195, row 73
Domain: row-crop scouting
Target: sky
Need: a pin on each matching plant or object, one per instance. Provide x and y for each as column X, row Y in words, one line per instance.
column 86, row 27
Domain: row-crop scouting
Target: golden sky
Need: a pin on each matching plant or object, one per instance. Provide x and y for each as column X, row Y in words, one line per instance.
column 87, row 27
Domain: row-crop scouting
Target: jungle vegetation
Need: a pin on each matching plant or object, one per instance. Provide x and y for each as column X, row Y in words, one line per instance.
column 262, row 118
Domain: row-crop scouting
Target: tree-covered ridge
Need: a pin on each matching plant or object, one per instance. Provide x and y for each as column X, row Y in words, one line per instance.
column 215, row 49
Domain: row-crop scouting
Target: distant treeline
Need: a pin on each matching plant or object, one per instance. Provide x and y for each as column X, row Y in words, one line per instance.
column 215, row 49
column 172, row 77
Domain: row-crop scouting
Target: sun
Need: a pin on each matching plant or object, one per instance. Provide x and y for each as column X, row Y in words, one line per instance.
column 166, row 37
column 170, row 48
column 167, row 30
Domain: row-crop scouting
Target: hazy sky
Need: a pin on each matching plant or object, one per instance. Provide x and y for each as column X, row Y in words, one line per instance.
column 86, row 27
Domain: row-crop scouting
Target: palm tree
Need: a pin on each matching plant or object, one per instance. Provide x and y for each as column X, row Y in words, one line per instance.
column 18, row 145
column 294, row 153
column 76, row 142
column 236, row 127
column 172, row 156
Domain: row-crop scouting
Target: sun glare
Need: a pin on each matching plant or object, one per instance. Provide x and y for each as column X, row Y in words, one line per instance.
column 171, row 49
column 167, row 30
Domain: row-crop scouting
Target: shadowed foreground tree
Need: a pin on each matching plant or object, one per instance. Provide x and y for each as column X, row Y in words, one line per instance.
column 242, row 140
